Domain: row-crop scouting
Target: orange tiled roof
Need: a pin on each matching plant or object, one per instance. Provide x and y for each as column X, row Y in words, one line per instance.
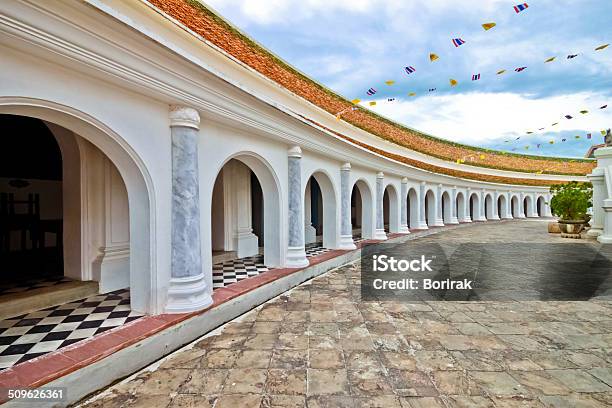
column 213, row 28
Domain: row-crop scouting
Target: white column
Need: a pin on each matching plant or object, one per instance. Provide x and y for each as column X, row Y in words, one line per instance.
column 480, row 214
column 187, row 290
column 404, row 207
column 310, row 232
column 422, row 216
column 508, row 206
column 606, row 236
column 521, row 209
column 597, row 178
column 380, row 222
column 454, row 219
column 495, row 211
column 439, row 221
column 547, row 211
column 346, row 229
column 296, row 253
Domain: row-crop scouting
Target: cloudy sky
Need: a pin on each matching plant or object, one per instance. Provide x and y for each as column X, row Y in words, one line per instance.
column 352, row 45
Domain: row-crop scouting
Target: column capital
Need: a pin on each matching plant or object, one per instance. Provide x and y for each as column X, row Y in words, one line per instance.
column 380, row 175
column 345, row 167
column 295, row 151
column 423, row 183
column 405, row 180
column 184, row 116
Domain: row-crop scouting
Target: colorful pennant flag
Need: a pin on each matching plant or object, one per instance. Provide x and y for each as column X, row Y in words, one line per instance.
column 356, row 101
column 563, row 140
column 389, row 82
column 409, row 69
column 412, row 94
column 568, row 116
column 371, row 91
column 488, row 26
column 584, row 112
column 551, row 59
column 517, row 138
column 457, row 42
column 520, row 7
column 555, row 124
column 588, row 135
column 577, row 137
column 475, row 77
column 552, row 142
column 373, row 103
column 541, row 129
column 453, row 82
column 529, row 132
column 390, row 99
column 572, row 56
column 433, row 57
column 501, row 71
column 601, row 47
column 603, row 107
column 432, row 89
column 519, row 69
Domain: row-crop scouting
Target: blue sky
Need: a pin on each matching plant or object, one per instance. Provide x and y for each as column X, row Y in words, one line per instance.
column 351, row 45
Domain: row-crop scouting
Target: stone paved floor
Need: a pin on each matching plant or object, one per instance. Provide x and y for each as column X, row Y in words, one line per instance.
column 320, row 346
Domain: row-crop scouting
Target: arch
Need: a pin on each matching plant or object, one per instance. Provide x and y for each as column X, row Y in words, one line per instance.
column 329, row 210
column 474, row 207
column 446, row 208
column 430, row 208
column 391, row 209
column 489, row 207
column 502, row 206
column 362, row 208
column 413, row 208
column 528, row 206
column 460, row 207
column 541, row 206
column 271, row 208
column 145, row 283
column 515, row 206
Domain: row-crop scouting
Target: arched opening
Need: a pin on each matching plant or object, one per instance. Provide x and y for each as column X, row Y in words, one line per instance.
column 515, row 206
column 413, row 208
column 460, row 207
column 474, row 207
column 430, row 208
column 245, row 239
column 527, row 206
column 446, row 208
column 502, row 207
column 489, row 207
column 361, row 211
column 541, row 206
column 391, row 209
column 320, row 213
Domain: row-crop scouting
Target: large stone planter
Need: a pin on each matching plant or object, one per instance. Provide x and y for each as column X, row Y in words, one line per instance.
column 571, row 228
column 553, row 227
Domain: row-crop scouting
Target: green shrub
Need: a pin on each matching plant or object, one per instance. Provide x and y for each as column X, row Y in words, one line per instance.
column 571, row 200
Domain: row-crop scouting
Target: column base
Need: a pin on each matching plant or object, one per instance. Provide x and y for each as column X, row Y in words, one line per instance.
column 480, row 219
column 465, row 220
column 594, row 232
column 403, row 229
column 380, row 235
column 439, row 222
column 520, row 216
column 296, row 257
column 494, row 218
column 605, row 239
column 453, row 221
column 188, row 295
column 421, row 225
column 346, row 242
column 508, row 217
column 310, row 234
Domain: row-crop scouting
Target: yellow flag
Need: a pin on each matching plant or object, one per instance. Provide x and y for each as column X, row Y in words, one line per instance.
column 412, row 94
column 389, row 82
column 373, row 103
column 577, row 137
column 433, row 57
column 551, row 59
column 601, row 47
column 552, row 142
column 529, row 133
column 356, row 101
column 453, row 82
column 501, row 71
column 488, row 26
column 584, row 111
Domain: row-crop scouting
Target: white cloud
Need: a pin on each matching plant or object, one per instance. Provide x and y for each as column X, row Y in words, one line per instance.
column 477, row 118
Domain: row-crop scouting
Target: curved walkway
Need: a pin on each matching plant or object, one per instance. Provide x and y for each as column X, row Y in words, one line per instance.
column 319, row 345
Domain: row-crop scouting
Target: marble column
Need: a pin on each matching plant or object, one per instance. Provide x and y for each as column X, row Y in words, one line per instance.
column 597, row 178
column 422, row 215
column 310, row 232
column 403, row 229
column 521, row 206
column 296, row 253
column 380, row 221
column 439, row 222
column 480, row 214
column 454, row 219
column 509, row 215
column 187, row 290
column 495, row 210
column 346, row 228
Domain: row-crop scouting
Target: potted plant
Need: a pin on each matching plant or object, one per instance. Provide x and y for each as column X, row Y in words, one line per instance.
column 570, row 203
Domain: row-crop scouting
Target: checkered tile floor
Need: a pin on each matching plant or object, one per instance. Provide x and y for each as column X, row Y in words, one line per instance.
column 228, row 272
column 34, row 334
column 42, row 282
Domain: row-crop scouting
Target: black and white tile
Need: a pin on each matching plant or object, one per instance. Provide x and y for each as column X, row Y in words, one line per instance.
column 235, row 270
column 34, row 334
column 41, row 282
column 315, row 248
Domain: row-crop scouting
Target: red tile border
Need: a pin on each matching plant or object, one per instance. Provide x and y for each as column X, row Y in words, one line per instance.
column 51, row 366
